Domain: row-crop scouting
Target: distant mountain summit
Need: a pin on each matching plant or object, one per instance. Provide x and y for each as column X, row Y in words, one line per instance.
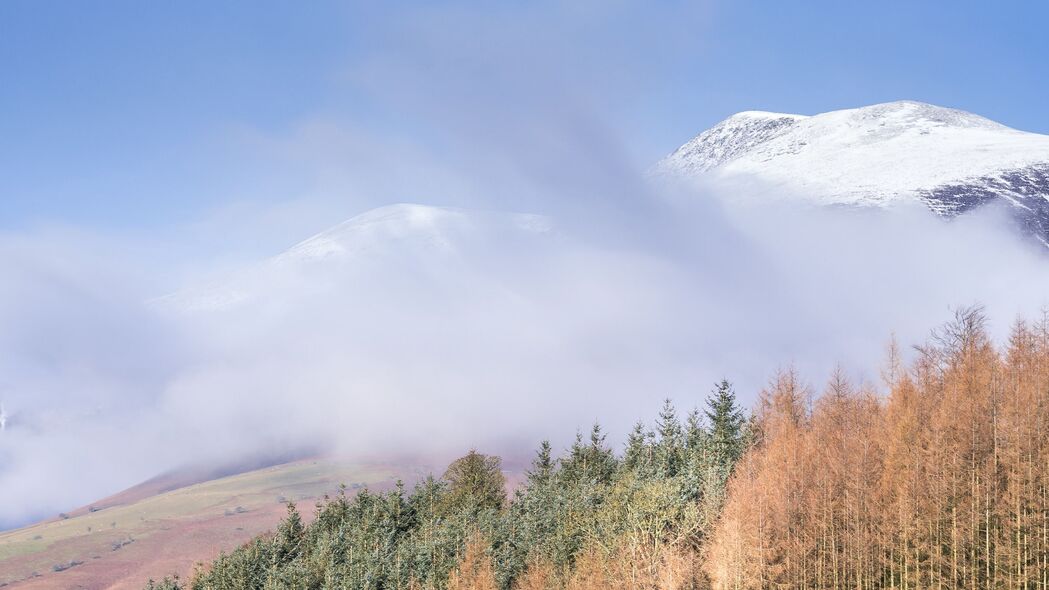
column 402, row 240
column 950, row 160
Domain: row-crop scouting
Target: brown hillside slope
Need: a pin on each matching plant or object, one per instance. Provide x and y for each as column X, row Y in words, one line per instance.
column 121, row 544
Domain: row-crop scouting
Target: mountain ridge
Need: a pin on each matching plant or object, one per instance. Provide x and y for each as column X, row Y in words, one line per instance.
column 950, row 160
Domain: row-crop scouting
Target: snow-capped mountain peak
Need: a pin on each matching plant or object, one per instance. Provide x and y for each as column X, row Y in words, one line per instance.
column 950, row 160
column 728, row 140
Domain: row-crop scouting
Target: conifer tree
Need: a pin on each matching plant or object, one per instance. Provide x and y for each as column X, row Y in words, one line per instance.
column 635, row 456
column 601, row 461
column 695, row 435
column 726, row 424
column 542, row 466
column 669, row 448
column 288, row 540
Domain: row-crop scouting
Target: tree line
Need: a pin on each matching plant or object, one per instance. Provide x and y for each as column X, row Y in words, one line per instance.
column 941, row 483
column 936, row 478
column 592, row 518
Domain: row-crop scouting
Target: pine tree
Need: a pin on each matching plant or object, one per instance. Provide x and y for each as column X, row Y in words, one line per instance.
column 635, row 457
column 601, row 461
column 542, row 465
column 726, row 425
column 288, row 540
column 669, row 448
column 695, row 435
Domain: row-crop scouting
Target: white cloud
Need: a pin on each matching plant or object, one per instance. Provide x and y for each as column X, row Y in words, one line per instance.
column 495, row 339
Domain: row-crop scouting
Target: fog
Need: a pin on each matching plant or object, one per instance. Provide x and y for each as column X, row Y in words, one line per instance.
column 479, row 333
column 497, row 341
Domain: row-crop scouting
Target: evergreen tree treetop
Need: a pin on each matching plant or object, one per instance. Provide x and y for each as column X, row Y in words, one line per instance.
column 727, row 423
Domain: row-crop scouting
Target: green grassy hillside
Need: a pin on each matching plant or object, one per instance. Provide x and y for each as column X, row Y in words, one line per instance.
column 170, row 531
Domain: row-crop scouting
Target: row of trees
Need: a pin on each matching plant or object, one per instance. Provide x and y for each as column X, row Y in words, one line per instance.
column 944, row 483
column 592, row 518
column 939, row 481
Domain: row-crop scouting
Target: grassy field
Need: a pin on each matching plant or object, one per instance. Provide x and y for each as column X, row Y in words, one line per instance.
column 121, row 545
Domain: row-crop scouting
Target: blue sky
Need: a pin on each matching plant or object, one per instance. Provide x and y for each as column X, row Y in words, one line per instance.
column 131, row 116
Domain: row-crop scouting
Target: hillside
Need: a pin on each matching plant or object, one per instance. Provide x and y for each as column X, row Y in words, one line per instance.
column 150, row 531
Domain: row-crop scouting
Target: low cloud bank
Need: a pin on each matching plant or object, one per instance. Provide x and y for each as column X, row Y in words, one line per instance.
column 466, row 333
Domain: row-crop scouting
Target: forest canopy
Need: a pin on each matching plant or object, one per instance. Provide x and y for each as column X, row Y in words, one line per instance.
column 937, row 477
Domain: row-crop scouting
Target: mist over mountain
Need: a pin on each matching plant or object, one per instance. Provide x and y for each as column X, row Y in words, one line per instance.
column 418, row 328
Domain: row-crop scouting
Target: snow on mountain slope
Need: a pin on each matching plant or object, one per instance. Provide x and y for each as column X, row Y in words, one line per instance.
column 730, row 139
column 406, row 238
column 409, row 226
column 948, row 159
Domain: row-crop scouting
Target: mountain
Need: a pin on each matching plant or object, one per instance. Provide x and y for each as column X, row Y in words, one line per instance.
column 413, row 240
column 950, row 160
